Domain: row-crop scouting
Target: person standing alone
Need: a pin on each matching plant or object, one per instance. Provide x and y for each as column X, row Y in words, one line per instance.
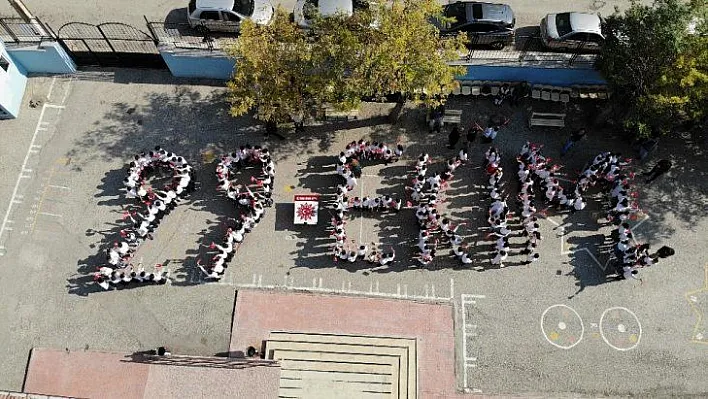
column 454, row 137
column 659, row 169
column 574, row 138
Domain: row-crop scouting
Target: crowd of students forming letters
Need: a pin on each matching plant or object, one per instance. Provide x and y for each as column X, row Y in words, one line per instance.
column 436, row 230
column 606, row 169
column 118, row 270
column 349, row 168
column 251, row 201
column 534, row 171
column 425, row 192
column 537, row 174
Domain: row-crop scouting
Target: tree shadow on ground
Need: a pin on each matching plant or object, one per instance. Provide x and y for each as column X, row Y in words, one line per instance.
column 681, row 194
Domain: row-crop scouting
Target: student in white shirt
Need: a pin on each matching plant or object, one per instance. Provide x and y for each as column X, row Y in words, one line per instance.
column 114, row 257
column 532, row 257
column 630, row 272
column 500, row 258
column 361, row 252
column 387, row 257
column 102, row 281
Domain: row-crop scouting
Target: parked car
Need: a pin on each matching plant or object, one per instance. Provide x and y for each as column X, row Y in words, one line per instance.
column 227, row 15
column 486, row 24
column 572, row 31
column 305, row 10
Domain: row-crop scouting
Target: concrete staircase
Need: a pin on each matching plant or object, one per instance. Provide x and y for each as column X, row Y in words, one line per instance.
column 344, row 366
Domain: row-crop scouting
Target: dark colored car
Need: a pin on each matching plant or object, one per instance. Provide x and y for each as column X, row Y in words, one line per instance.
column 486, row 24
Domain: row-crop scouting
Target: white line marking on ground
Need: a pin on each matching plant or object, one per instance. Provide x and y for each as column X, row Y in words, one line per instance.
column 639, row 336
column 318, row 287
column 51, row 214
column 4, row 227
column 59, row 187
column 54, row 106
column 468, row 360
column 51, row 88
column 545, row 335
column 66, row 92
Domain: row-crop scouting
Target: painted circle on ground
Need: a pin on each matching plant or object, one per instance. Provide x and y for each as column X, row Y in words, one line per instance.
column 620, row 328
column 562, row 326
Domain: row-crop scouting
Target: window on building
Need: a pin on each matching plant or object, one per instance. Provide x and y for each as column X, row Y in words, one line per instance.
column 4, row 63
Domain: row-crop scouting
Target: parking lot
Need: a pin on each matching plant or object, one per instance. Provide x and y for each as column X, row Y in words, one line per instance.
column 551, row 327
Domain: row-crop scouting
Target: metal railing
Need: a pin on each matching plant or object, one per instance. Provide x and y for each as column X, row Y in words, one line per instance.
column 183, row 36
column 529, row 50
column 17, row 31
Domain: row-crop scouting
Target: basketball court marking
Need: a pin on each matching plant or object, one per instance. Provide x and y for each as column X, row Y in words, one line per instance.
column 694, row 298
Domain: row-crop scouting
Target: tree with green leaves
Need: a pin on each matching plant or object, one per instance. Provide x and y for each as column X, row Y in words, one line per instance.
column 273, row 70
column 405, row 54
column 283, row 71
column 655, row 65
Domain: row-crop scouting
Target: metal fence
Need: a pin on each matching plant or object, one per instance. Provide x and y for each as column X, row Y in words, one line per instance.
column 18, row 32
column 111, row 44
column 528, row 49
column 182, row 36
column 115, row 44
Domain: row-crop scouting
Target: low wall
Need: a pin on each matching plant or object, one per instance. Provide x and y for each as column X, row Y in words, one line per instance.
column 45, row 58
column 198, row 64
column 12, row 85
column 217, row 65
column 534, row 75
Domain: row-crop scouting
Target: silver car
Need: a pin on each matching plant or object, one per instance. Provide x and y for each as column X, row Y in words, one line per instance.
column 572, row 31
column 486, row 24
column 226, row 15
column 305, row 10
